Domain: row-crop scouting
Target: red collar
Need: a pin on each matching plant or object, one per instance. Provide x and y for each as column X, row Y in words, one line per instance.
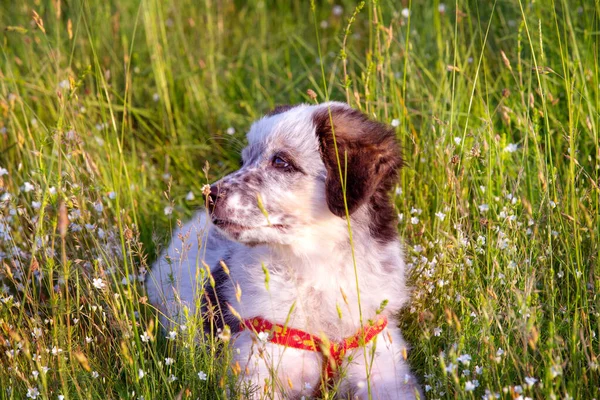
column 332, row 351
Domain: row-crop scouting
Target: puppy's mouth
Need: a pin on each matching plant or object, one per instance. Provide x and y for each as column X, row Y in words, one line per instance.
column 229, row 225
column 233, row 227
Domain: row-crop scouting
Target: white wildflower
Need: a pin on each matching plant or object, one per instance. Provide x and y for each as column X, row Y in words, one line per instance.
column 98, row 207
column 511, row 148
column 145, row 337
column 337, row 10
column 405, row 12
column 440, row 215
column 168, row 210
column 172, row 335
column 75, row 227
column 530, row 381
column 414, row 220
column 202, row 376
column 465, row 359
column 169, row 361
column 190, row 196
column 518, row 389
column 98, row 283
column 469, row 386
column 395, row 123
column 33, row 393
column 230, row 130
column 450, row 368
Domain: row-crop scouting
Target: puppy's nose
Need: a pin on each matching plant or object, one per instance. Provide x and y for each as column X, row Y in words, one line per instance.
column 214, row 194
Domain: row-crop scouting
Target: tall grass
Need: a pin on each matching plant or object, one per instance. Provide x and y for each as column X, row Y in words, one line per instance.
column 109, row 111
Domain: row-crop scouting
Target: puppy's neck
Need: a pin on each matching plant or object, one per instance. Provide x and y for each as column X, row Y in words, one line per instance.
column 332, row 246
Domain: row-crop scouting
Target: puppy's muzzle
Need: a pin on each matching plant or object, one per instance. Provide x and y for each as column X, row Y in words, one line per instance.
column 216, row 194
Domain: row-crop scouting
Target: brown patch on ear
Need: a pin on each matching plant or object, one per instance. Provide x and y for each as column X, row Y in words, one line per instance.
column 280, row 109
column 369, row 156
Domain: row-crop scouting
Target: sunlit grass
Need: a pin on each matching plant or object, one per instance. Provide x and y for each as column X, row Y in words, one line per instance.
column 109, row 111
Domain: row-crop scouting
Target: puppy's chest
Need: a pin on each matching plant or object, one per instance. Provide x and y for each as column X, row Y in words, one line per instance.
column 314, row 301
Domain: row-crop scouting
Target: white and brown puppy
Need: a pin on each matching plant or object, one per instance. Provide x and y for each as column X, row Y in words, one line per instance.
column 284, row 211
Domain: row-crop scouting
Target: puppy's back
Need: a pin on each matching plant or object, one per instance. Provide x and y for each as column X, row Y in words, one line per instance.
column 175, row 277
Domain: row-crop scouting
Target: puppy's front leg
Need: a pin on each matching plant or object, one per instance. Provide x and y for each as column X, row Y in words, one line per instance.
column 273, row 371
column 389, row 378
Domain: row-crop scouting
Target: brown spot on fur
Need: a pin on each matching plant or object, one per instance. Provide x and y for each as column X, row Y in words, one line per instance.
column 373, row 158
column 216, row 314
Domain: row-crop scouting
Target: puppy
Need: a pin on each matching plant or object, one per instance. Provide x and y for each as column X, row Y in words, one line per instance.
column 310, row 297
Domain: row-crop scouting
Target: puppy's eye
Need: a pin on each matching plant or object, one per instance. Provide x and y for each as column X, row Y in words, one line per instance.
column 279, row 162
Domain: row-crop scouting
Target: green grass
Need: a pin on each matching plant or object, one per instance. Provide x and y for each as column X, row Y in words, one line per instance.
column 110, row 110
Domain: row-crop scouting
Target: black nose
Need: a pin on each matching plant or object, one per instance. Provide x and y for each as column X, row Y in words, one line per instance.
column 214, row 194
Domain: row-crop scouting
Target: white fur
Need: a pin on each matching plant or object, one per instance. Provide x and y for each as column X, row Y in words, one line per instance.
column 311, row 272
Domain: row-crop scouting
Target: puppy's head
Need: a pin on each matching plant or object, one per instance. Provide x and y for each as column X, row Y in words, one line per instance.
column 295, row 167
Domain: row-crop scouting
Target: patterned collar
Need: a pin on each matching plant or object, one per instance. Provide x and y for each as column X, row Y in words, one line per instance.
column 333, row 352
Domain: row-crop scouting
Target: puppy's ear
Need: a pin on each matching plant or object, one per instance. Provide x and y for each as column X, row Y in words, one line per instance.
column 368, row 152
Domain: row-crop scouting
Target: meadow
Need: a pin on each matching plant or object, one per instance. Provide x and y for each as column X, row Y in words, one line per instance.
column 115, row 114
